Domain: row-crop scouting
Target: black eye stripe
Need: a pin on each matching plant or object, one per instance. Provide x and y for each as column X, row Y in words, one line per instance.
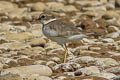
column 43, row 16
column 38, row 18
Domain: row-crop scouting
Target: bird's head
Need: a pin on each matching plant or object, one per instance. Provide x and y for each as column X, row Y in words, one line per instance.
column 45, row 17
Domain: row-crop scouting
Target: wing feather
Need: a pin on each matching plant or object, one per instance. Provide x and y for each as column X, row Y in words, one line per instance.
column 62, row 29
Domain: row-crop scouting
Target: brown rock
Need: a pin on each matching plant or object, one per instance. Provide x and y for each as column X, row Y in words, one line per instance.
column 51, row 46
column 25, row 61
column 112, row 29
column 39, row 6
column 102, row 23
column 13, row 46
column 17, row 13
column 110, row 6
column 94, row 8
column 10, row 6
column 68, row 8
column 12, row 63
column 87, row 23
column 54, row 5
column 110, row 14
column 117, row 3
column 37, row 42
column 19, row 36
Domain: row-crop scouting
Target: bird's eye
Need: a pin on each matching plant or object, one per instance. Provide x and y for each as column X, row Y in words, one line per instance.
column 43, row 16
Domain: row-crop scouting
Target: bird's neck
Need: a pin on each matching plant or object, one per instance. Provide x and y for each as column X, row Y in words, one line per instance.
column 46, row 22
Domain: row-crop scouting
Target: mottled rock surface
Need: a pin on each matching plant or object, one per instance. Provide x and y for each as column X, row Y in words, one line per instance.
column 26, row 54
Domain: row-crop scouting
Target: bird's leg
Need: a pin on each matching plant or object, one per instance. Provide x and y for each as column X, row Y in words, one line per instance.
column 66, row 52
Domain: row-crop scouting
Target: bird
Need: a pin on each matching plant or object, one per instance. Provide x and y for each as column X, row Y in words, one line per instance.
column 59, row 31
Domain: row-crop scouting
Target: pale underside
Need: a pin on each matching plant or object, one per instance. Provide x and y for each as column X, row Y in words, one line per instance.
column 62, row 32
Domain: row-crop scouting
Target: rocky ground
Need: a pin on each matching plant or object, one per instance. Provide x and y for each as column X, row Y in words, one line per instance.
column 26, row 54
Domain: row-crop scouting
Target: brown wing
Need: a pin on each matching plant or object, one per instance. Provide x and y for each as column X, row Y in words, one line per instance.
column 62, row 29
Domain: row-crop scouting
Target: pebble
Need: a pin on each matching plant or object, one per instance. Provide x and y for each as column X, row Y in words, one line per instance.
column 34, row 77
column 112, row 29
column 39, row 6
column 113, row 35
column 95, row 48
column 110, row 6
column 113, row 70
column 1, row 67
column 17, row 13
column 37, row 42
column 19, row 36
column 88, row 70
column 105, row 62
column 25, row 61
column 68, row 8
column 13, row 46
column 54, row 5
column 29, row 70
column 67, row 67
column 83, row 59
column 56, row 59
column 108, row 40
column 8, row 8
column 106, row 75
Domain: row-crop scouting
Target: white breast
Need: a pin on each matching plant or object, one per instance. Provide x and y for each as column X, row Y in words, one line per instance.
column 51, row 34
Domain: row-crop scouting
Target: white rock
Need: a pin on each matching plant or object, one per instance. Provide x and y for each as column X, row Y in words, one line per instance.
column 108, row 40
column 113, row 35
column 89, row 70
column 113, row 70
column 69, row 73
column 84, row 59
column 50, row 63
column 95, row 48
column 88, row 41
column 106, row 75
column 20, row 28
column 70, row 66
column 84, row 47
column 55, row 59
column 105, row 62
column 29, row 70
column 110, row 6
column 61, row 78
column 37, row 77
